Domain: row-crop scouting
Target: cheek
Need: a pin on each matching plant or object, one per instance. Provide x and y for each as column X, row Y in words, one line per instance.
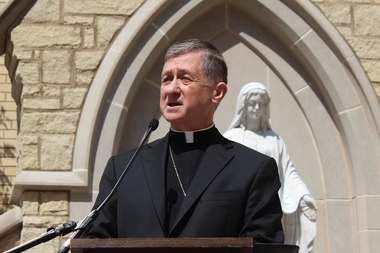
column 163, row 93
column 162, row 98
column 203, row 96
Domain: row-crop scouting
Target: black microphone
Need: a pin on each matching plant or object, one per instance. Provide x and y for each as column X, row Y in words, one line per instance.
column 81, row 225
column 153, row 124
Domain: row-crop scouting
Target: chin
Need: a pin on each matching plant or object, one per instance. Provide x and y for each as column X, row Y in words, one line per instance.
column 172, row 119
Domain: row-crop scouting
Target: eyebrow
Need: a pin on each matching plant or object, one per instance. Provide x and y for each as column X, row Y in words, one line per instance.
column 179, row 71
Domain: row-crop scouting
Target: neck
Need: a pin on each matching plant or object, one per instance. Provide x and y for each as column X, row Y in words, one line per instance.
column 189, row 135
column 253, row 125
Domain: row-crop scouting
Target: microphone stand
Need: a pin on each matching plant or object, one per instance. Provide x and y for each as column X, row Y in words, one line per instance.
column 51, row 233
column 81, row 225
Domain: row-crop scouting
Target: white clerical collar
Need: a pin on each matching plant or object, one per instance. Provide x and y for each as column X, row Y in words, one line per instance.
column 189, row 135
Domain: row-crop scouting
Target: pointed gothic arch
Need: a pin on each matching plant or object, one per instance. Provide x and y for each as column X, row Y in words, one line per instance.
column 314, row 78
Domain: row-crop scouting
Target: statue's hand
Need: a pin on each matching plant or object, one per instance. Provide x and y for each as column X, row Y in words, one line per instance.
column 309, row 207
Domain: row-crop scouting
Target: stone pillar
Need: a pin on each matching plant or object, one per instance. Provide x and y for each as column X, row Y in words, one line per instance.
column 8, row 136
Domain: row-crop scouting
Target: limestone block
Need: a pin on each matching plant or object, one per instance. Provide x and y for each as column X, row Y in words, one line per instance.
column 10, row 172
column 36, row 54
column 373, row 70
column 56, row 152
column 30, row 203
column 10, row 134
column 38, row 103
column 10, row 114
column 7, row 143
column 107, row 27
column 345, row 31
column 56, row 67
column 23, row 54
column 73, row 98
column 30, row 158
column 29, row 233
column 337, row 13
column 28, row 72
column 54, row 203
column 365, row 47
column 39, row 221
column 50, row 122
column 368, row 48
column 7, row 161
column 89, row 38
column 31, row 90
column 5, row 124
column 44, row 11
column 114, row 7
column 30, row 139
column 88, row 60
column 366, row 20
column 84, row 78
column 57, row 36
column 78, row 20
column 3, row 79
column 7, row 106
column 51, row 91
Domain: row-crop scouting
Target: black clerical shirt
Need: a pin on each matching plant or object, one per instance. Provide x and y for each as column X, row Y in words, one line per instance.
column 187, row 149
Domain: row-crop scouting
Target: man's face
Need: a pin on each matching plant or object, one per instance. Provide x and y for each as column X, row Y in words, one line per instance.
column 186, row 101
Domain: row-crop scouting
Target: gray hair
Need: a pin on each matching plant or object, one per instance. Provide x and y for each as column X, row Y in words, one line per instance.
column 213, row 64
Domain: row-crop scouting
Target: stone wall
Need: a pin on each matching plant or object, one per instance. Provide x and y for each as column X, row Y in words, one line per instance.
column 358, row 22
column 8, row 136
column 57, row 49
column 52, row 58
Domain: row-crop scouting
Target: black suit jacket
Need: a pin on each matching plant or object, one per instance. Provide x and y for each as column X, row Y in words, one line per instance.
column 234, row 193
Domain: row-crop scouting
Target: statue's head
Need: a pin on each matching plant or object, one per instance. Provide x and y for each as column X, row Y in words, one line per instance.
column 253, row 101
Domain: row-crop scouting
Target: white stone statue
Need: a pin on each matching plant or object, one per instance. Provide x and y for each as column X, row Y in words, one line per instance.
column 250, row 127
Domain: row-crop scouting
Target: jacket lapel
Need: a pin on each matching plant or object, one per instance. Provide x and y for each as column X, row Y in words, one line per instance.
column 217, row 159
column 154, row 161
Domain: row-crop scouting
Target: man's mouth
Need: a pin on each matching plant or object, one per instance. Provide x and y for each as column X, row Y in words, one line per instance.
column 173, row 104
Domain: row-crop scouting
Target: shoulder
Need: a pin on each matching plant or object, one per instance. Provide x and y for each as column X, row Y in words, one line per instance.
column 148, row 146
column 242, row 152
column 232, row 133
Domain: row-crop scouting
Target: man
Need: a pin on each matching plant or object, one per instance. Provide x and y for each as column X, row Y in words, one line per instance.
column 193, row 182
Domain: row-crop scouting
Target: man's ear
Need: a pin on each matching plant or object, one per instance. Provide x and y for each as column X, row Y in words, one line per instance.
column 219, row 92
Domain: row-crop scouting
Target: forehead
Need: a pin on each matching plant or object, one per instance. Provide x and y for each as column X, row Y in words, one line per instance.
column 187, row 61
column 255, row 95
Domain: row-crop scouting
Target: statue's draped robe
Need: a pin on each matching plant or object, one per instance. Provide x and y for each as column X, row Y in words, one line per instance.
column 298, row 228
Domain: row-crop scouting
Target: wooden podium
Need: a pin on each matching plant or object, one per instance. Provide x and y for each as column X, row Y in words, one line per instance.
column 183, row 245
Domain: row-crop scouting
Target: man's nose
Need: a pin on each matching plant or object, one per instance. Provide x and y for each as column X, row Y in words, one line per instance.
column 174, row 86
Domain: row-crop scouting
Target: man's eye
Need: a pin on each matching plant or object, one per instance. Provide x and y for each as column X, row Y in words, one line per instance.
column 186, row 80
column 165, row 80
